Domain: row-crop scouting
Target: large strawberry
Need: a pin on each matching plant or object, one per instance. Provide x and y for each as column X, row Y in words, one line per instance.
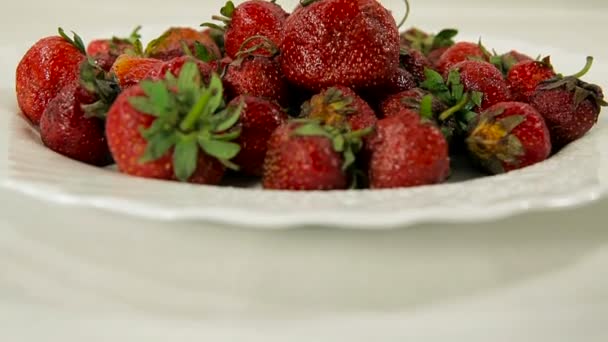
column 483, row 77
column 408, row 150
column 259, row 118
column 174, row 129
column 305, row 155
column 48, row 66
column 509, row 136
column 105, row 51
column 524, row 77
column 252, row 18
column 354, row 43
column 570, row 106
column 177, row 41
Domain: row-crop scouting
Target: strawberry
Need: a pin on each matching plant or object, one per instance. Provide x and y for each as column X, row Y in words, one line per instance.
column 459, row 52
column 483, row 77
column 174, row 128
column 508, row 136
column 409, row 99
column 570, row 106
column 400, row 80
column 339, row 107
column 414, row 62
column 259, row 118
column 339, row 42
column 524, row 78
column 65, row 129
column 174, row 66
column 435, row 55
column 46, row 68
column 305, row 155
column 130, row 70
column 252, row 18
column 416, row 39
column 177, row 41
column 105, row 51
column 507, row 60
column 407, row 151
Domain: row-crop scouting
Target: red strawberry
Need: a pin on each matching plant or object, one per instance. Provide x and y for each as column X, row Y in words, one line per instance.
column 339, row 106
column 105, row 51
column 174, row 66
column 340, row 42
column 308, row 156
column 256, row 76
column 251, row 18
column 46, row 68
column 506, row 61
column 414, row 62
column 400, row 80
column 483, row 77
column 408, row 151
column 524, row 77
column 173, row 129
column 509, row 136
column 65, row 129
column 435, row 55
column 130, row 70
column 259, row 118
column 177, row 41
column 409, row 99
column 569, row 106
column 459, row 52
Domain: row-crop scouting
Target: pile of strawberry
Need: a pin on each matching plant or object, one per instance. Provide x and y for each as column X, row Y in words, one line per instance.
column 328, row 97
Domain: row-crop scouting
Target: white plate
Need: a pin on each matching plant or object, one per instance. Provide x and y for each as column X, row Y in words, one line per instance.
column 576, row 175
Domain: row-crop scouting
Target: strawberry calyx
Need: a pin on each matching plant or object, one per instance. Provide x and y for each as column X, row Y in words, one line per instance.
column 264, row 44
column 189, row 117
column 198, row 51
column 134, row 40
column 582, row 90
column 225, row 17
column 331, row 107
column 426, row 43
column 492, row 143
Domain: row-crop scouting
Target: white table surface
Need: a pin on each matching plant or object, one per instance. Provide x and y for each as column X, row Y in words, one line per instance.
column 87, row 275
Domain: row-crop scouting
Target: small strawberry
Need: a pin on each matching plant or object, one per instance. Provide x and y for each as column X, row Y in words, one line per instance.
column 483, row 77
column 410, row 99
column 459, row 52
column 252, row 18
column 509, row 136
column 408, row 151
column 414, row 62
column 524, row 78
column 569, row 106
column 172, row 129
column 339, row 42
column 130, row 70
column 177, row 41
column 105, row 51
column 259, row 119
column 46, row 68
column 507, row 60
column 304, row 155
column 400, row 80
column 174, row 66
column 339, row 106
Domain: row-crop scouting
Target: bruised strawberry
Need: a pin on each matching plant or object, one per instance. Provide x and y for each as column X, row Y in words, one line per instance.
column 509, row 136
column 252, row 18
column 354, row 43
column 483, row 77
column 400, row 80
column 308, row 156
column 569, row 106
column 409, row 99
column 65, row 129
column 130, row 70
column 407, row 151
column 340, row 106
column 459, row 52
column 173, row 129
column 178, row 41
column 414, row 62
column 106, row 51
column 46, row 68
column 435, row 55
column 259, row 118
column 524, row 78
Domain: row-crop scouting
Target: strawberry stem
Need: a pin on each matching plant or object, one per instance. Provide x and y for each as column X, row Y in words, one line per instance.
column 451, row 111
column 407, row 14
column 190, row 120
column 586, row 69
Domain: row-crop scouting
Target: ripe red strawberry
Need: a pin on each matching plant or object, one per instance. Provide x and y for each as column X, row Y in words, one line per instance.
column 308, row 156
column 507, row 60
column 483, row 77
column 459, row 52
column 65, row 129
column 339, row 106
column 524, row 78
column 435, row 55
column 105, row 51
column 340, row 42
column 259, row 119
column 409, row 99
column 408, row 151
column 177, row 41
column 256, row 76
column 173, row 129
column 251, row 18
column 569, row 106
column 46, row 68
column 414, row 62
column 130, row 70
column 400, row 80
column 509, row 136
column 174, row 66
